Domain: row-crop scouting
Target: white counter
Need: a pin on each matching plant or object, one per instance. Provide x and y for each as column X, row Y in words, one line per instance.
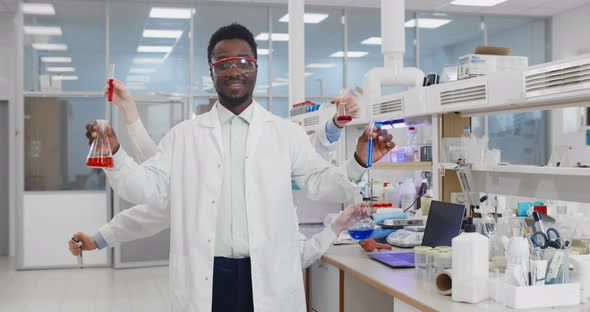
column 402, row 285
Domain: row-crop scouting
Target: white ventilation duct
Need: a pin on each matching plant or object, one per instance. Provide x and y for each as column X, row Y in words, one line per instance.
column 393, row 47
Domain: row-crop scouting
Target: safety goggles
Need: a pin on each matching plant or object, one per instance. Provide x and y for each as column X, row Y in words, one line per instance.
column 243, row 65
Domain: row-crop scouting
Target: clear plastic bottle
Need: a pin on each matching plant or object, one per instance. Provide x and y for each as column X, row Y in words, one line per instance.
column 408, row 195
column 412, row 150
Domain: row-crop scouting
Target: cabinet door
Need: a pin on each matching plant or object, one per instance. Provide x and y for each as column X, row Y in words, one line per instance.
column 324, row 287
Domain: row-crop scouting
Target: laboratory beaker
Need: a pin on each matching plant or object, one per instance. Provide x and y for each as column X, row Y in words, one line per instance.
column 100, row 154
column 342, row 115
column 362, row 229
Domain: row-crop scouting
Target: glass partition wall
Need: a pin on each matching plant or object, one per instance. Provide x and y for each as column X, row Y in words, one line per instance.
column 159, row 51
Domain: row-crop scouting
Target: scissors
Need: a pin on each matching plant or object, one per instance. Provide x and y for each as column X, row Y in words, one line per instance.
column 546, row 239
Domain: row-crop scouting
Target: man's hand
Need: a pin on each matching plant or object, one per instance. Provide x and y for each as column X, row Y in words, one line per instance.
column 92, row 133
column 382, row 144
column 349, row 216
column 88, row 243
column 123, row 99
column 352, row 106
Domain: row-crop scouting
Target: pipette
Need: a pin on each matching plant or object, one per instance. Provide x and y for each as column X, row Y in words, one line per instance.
column 369, row 161
column 111, row 78
column 78, row 243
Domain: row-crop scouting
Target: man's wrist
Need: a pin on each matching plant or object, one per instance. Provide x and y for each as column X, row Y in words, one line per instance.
column 359, row 160
column 340, row 126
column 116, row 148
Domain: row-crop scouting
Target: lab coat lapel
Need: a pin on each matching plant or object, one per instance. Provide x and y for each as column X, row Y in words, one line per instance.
column 256, row 128
column 211, row 121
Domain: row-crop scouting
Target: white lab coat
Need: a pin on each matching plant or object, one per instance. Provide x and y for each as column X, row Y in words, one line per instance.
column 143, row 220
column 186, row 173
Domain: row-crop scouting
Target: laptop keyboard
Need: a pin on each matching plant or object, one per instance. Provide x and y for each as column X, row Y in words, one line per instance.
column 396, row 259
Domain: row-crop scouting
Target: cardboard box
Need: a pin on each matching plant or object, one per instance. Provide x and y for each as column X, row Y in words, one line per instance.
column 473, row 65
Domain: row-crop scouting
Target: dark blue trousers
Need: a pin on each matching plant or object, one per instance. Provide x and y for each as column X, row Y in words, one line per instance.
column 232, row 285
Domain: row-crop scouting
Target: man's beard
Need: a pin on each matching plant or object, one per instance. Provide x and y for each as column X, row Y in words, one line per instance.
column 232, row 100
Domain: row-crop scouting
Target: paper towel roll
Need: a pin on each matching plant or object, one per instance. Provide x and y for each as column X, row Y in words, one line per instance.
column 444, row 282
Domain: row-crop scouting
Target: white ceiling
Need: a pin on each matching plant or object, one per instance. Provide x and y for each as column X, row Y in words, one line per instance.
column 510, row 7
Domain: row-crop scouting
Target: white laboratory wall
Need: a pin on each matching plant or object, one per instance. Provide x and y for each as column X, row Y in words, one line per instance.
column 49, row 220
column 569, row 39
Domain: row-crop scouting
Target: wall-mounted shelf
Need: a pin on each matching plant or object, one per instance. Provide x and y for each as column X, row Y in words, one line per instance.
column 568, row 184
column 537, row 170
column 403, row 166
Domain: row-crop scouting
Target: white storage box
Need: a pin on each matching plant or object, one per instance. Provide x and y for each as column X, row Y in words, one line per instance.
column 544, row 296
column 472, row 65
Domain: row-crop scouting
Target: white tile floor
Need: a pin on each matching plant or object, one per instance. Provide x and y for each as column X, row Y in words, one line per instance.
column 85, row 290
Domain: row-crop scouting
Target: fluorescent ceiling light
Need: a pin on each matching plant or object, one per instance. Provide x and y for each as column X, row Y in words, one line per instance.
column 43, row 30
column 154, row 49
column 307, row 74
column 60, row 69
column 275, row 36
column 308, row 18
column 38, row 9
column 170, row 13
column 321, row 65
column 350, row 54
column 262, row 51
column 137, row 70
column 60, row 77
column 485, row 3
column 147, row 60
column 162, row 33
column 372, row 41
column 56, row 59
column 429, row 23
column 138, row 78
column 50, row 46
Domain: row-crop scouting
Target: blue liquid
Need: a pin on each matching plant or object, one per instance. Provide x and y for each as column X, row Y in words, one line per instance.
column 360, row 234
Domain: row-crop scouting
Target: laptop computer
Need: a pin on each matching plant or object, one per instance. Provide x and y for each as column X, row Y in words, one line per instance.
column 443, row 224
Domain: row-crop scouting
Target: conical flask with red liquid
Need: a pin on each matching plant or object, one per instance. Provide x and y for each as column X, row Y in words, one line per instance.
column 343, row 115
column 100, row 154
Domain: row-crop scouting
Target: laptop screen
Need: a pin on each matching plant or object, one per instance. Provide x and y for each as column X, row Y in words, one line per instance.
column 443, row 224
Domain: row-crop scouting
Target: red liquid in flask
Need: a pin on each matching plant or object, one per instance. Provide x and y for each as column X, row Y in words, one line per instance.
column 344, row 118
column 100, row 162
column 110, row 89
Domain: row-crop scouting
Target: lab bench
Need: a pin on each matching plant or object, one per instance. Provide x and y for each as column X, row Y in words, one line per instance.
column 347, row 280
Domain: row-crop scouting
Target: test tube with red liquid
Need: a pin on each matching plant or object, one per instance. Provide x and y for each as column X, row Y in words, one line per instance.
column 111, row 78
column 342, row 115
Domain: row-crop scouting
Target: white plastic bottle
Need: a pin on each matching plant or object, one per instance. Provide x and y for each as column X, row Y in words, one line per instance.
column 408, row 195
column 470, row 266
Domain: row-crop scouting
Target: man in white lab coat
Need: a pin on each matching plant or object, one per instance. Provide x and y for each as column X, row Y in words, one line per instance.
column 143, row 220
column 226, row 178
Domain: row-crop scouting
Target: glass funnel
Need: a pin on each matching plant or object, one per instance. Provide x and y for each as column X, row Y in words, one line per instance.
column 100, row 154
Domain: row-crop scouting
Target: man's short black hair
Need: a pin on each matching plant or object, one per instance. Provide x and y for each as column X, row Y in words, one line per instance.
column 232, row 31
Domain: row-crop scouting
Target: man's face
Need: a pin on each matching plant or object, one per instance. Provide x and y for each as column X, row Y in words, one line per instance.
column 235, row 87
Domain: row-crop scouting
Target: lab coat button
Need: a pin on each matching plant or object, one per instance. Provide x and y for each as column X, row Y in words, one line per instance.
column 206, row 278
column 213, row 202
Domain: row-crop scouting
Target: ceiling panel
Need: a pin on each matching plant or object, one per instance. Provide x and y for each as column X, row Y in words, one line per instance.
column 510, row 7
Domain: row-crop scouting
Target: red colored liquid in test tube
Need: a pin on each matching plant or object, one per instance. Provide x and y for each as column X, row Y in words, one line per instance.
column 100, row 162
column 344, row 118
column 111, row 78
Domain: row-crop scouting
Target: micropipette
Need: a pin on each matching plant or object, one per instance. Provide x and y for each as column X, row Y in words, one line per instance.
column 79, row 244
column 111, row 78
